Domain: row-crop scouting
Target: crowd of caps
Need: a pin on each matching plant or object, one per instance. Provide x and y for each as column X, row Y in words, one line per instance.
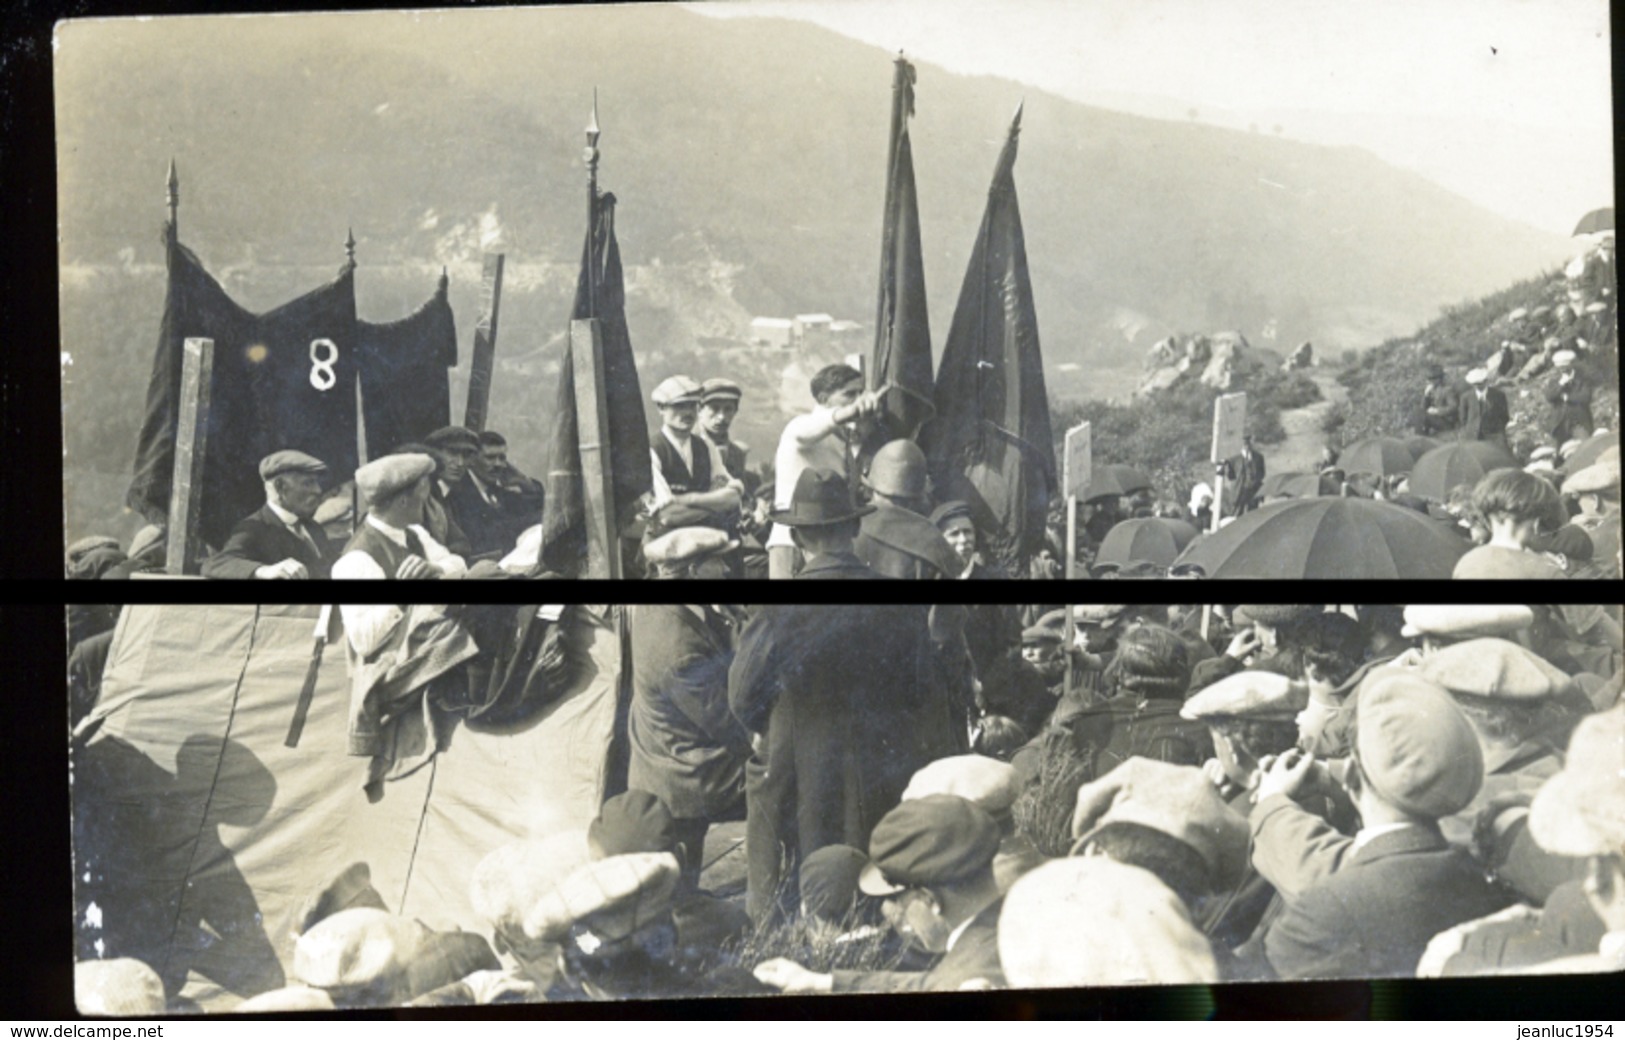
column 1181, row 795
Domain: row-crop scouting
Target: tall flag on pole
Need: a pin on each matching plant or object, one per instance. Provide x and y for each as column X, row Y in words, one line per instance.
column 900, row 362
column 990, row 443
column 283, row 379
column 600, row 294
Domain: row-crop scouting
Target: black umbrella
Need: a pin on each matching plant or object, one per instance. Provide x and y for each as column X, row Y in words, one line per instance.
column 1332, row 538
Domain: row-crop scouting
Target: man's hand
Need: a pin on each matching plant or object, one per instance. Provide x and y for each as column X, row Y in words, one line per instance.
column 415, row 568
column 282, row 570
column 1213, row 769
column 758, row 744
column 1243, row 644
column 1286, row 774
column 787, row 976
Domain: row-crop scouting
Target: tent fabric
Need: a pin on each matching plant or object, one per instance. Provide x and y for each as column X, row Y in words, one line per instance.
column 197, row 834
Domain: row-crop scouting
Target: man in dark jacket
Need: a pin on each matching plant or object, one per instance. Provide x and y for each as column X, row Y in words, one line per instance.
column 471, row 503
column 281, row 540
column 844, row 705
column 1399, row 882
column 1570, row 397
column 823, row 522
column 896, row 539
column 1483, row 413
column 1439, row 406
column 687, row 749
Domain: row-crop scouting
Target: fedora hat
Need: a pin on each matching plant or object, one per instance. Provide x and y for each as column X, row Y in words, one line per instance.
column 821, row 498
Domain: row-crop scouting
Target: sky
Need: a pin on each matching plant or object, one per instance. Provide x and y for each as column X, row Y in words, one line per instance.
column 1507, row 102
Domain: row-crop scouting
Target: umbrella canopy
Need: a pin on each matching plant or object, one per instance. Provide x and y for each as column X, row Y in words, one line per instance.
column 1297, row 485
column 1381, row 456
column 1145, row 538
column 1421, row 445
column 1447, row 467
column 1330, row 539
column 1184, row 531
column 1590, row 451
column 1116, row 479
column 1596, row 222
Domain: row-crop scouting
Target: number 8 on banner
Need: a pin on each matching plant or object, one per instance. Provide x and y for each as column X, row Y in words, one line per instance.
column 322, row 376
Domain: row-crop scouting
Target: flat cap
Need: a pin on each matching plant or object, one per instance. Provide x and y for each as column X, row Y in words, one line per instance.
column 950, row 511
column 383, row 477
column 1466, row 621
column 633, row 821
column 1091, row 921
column 150, row 536
column 614, row 897
column 1415, row 746
column 1095, row 613
column 928, row 841
column 1277, row 615
column 362, row 948
column 1478, row 376
column 449, row 438
column 514, row 877
column 1496, row 668
column 122, row 987
column 676, row 390
column 1545, row 451
column 982, row 781
column 719, row 389
column 829, row 880
column 1040, row 634
column 1179, row 801
column 279, row 462
column 688, row 543
column 1564, row 358
column 1594, row 478
column 1259, row 695
column 1581, row 810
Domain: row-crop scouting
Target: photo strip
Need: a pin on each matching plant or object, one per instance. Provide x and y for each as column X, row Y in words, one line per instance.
column 1051, row 289
column 280, row 808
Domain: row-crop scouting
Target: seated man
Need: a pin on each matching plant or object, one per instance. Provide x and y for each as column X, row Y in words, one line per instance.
column 471, row 500
column 392, row 542
column 524, row 495
column 281, row 540
column 688, row 470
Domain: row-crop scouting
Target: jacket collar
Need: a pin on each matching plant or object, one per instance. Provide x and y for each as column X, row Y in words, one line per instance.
column 1424, row 837
column 826, row 564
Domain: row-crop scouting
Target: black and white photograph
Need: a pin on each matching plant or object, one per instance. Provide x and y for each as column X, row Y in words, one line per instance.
column 816, row 289
column 314, row 808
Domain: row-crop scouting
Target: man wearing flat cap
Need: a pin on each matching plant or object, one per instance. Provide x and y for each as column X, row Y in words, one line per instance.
column 1569, row 394
column 1399, row 882
column 1596, row 487
column 719, row 405
column 472, row 502
column 392, row 542
column 1439, row 404
column 281, row 539
column 933, row 858
column 1483, row 414
column 688, row 470
column 896, row 539
column 690, row 552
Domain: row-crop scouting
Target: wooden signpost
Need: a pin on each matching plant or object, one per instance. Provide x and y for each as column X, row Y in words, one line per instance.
column 191, row 447
column 485, row 343
column 597, row 461
column 1229, row 424
column 1077, row 470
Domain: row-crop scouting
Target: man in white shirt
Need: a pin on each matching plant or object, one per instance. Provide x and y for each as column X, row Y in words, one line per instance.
column 391, row 543
column 824, row 438
column 688, row 470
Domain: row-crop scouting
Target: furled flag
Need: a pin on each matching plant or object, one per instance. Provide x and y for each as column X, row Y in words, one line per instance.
column 901, row 359
column 284, row 379
column 601, row 294
column 405, row 374
column 990, row 443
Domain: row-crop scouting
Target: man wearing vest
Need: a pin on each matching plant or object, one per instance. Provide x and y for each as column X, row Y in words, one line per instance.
column 280, row 540
column 688, row 470
column 896, row 539
column 719, row 404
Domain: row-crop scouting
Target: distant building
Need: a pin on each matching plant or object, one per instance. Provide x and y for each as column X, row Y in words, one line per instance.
column 846, row 333
column 812, row 330
column 772, row 332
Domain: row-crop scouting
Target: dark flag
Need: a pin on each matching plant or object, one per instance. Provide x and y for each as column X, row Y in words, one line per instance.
column 405, row 374
column 901, row 359
column 284, row 379
column 990, row 444
column 601, row 294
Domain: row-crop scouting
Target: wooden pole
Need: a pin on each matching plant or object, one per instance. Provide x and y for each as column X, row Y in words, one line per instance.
column 485, row 344
column 597, row 461
column 191, row 447
column 172, row 198
column 591, row 157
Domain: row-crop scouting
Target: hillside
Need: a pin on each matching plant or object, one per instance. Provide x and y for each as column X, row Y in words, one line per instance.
column 747, row 155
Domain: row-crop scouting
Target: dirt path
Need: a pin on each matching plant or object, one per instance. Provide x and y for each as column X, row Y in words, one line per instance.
column 1304, row 439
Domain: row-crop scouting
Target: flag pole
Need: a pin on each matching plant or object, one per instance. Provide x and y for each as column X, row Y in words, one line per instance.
column 172, row 198
column 591, row 155
column 592, row 402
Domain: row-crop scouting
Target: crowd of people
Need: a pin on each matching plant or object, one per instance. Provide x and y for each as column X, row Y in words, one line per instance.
column 963, row 798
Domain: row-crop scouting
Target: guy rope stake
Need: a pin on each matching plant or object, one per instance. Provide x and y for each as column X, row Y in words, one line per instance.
column 307, row 692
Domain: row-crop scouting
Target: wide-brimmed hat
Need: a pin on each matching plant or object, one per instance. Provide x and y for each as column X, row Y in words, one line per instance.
column 822, row 497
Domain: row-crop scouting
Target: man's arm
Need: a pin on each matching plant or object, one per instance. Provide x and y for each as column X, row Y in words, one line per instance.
column 1293, row 849
column 439, row 557
column 239, row 558
column 754, row 676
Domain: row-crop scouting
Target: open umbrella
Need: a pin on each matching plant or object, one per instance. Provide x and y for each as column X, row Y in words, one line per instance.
column 1117, row 479
column 1184, row 531
column 1297, row 485
column 1449, row 466
column 1590, row 450
column 1329, row 539
column 1596, row 222
column 1146, row 538
column 1380, row 456
column 1420, row 445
